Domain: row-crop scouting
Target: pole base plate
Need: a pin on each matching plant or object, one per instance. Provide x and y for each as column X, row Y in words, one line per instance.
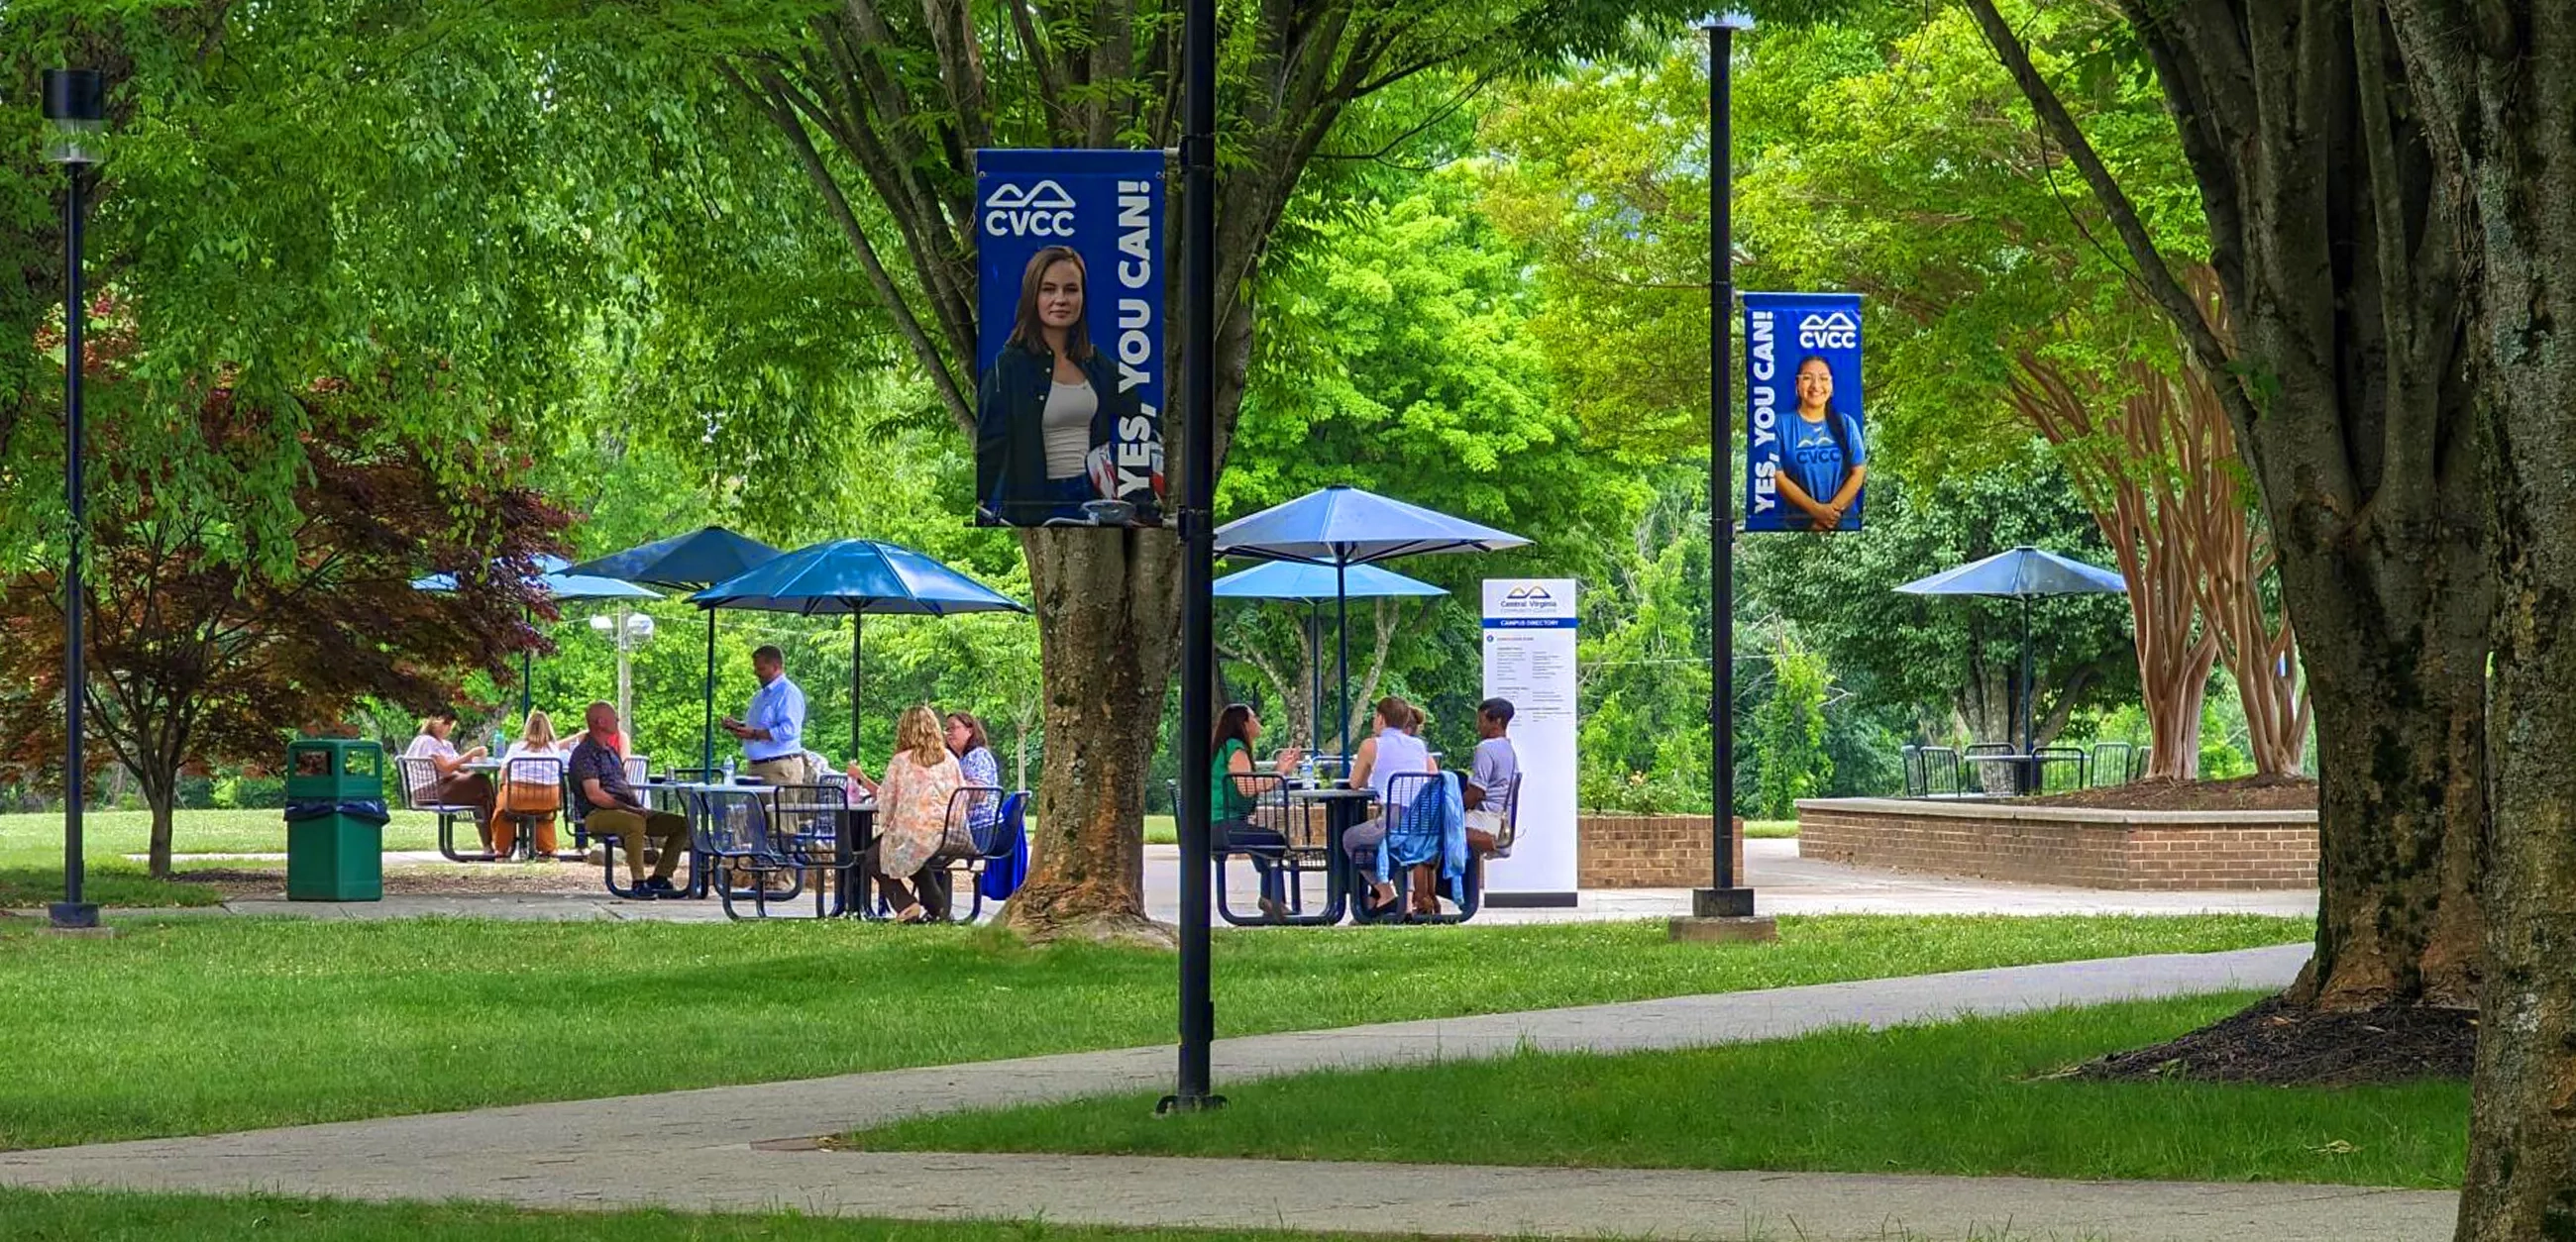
column 72, row 915
column 1722, row 903
column 1758, row 929
column 1171, row 1105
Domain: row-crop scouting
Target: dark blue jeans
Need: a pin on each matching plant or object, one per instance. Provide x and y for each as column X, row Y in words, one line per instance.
column 1264, row 845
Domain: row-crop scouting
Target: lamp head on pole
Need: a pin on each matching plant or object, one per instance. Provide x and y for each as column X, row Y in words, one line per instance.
column 76, row 108
column 1732, row 19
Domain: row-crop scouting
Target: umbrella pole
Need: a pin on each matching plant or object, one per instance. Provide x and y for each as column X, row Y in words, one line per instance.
column 2026, row 688
column 625, row 676
column 1314, row 675
column 1342, row 665
column 707, row 751
column 854, row 687
column 527, row 657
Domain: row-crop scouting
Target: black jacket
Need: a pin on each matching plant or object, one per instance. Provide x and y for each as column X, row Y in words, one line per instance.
column 1010, row 431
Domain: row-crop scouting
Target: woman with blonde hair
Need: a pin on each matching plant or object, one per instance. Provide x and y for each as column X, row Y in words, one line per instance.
column 531, row 785
column 913, row 832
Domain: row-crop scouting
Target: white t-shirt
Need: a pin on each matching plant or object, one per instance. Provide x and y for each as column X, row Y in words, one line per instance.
column 1398, row 752
column 423, row 775
column 1067, row 424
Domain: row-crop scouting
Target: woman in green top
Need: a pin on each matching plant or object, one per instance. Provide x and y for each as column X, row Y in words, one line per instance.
column 1232, row 799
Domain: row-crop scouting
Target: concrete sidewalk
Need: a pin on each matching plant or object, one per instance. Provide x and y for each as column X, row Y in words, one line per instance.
column 737, row 1147
column 1784, row 883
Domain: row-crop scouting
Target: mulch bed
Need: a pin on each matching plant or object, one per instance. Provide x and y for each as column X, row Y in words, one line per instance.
column 2249, row 793
column 2285, row 1045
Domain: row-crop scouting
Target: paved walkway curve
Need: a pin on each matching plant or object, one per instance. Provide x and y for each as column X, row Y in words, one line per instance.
column 733, row 1147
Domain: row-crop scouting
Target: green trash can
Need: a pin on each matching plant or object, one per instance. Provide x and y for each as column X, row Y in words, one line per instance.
column 335, row 820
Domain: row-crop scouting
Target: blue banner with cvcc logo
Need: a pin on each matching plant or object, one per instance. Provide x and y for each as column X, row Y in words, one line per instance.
column 1070, row 354
column 1806, row 444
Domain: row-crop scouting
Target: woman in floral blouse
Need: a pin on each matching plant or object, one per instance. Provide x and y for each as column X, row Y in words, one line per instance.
column 913, row 831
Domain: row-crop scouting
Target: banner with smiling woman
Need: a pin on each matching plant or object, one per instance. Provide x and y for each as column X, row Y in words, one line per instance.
column 1806, row 446
column 1070, row 357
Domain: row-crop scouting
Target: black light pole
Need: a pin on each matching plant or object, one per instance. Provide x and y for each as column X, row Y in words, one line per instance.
column 76, row 105
column 1723, row 898
column 1198, row 536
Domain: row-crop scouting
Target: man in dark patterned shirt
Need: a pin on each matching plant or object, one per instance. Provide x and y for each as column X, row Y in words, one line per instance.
column 599, row 773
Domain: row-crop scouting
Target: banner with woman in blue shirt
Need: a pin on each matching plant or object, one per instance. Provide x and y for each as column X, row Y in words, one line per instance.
column 1807, row 456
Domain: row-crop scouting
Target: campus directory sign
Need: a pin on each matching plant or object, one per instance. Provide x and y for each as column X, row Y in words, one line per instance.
column 1530, row 660
column 1806, row 444
column 1070, row 355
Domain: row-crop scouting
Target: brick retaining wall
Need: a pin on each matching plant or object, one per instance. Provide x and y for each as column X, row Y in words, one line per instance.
column 1645, row 851
column 2082, row 847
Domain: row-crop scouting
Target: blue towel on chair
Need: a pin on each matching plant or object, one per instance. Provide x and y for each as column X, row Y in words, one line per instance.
column 1002, row 876
column 1433, row 827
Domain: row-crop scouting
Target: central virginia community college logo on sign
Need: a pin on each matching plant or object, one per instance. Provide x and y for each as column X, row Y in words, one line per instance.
column 1526, row 598
column 1832, row 331
column 1041, row 210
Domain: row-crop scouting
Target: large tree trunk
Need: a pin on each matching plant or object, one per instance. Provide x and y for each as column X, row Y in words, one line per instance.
column 2497, row 89
column 2396, row 635
column 2343, row 383
column 1106, row 601
column 882, row 114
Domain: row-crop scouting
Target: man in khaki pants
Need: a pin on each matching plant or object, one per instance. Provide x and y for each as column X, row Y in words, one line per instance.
column 772, row 730
column 599, row 773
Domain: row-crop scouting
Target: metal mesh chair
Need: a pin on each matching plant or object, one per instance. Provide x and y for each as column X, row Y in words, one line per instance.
column 1511, row 829
column 973, row 825
column 1988, row 760
column 2056, row 769
column 1413, row 836
column 638, row 769
column 1942, row 774
column 812, row 829
column 2108, row 764
column 525, row 777
column 419, row 778
column 735, row 830
column 1282, row 865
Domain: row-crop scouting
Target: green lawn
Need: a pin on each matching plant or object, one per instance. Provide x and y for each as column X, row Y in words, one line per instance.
column 85, row 1216
column 239, row 1023
column 1969, row 1097
column 1758, row 829
column 47, row 1216
column 31, row 852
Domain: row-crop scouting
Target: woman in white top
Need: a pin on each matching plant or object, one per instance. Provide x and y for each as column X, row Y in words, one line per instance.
column 1389, row 753
column 522, row 793
column 437, row 776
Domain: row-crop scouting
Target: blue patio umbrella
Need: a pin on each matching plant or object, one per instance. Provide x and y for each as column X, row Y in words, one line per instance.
column 558, row 584
column 1342, row 526
column 2021, row 574
column 1311, row 585
column 855, row 577
column 698, row 559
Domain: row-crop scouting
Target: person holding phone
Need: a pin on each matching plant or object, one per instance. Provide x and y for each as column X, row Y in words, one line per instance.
column 772, row 729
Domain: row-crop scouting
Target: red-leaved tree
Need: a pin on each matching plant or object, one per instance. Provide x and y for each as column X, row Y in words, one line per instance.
column 211, row 635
